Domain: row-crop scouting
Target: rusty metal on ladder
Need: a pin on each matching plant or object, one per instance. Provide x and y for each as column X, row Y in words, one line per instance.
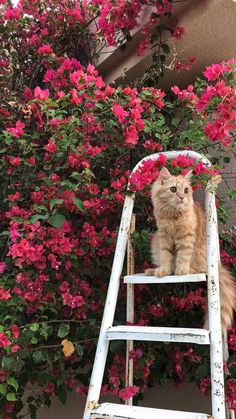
column 213, row 336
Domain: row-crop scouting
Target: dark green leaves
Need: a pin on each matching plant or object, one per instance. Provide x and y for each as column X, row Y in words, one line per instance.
column 57, row 220
column 63, row 330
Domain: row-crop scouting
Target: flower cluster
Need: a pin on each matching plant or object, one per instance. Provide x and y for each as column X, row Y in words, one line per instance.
column 214, row 102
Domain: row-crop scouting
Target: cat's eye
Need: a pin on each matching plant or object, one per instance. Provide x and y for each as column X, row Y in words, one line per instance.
column 186, row 190
column 173, row 189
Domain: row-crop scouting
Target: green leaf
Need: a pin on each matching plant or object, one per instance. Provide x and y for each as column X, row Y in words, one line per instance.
column 116, row 346
column 13, row 382
column 69, row 185
column 3, row 388
column 226, row 159
column 63, row 330
column 38, row 357
column 34, row 340
column 37, row 217
column 79, row 204
column 7, row 362
column 34, row 327
column 175, row 122
column 11, row 397
column 165, row 48
column 232, row 194
column 79, row 350
column 33, row 411
column 232, row 369
column 61, row 394
column 54, row 202
column 57, row 220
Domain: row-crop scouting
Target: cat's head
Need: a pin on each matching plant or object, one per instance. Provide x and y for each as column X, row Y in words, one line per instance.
column 173, row 191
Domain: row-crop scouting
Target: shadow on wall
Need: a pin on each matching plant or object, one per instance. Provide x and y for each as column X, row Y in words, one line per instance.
column 187, row 397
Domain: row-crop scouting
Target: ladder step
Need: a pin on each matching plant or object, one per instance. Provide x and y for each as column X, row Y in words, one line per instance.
column 119, row 411
column 158, row 334
column 173, row 279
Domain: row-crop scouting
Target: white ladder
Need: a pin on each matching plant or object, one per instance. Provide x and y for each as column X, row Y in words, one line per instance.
column 108, row 332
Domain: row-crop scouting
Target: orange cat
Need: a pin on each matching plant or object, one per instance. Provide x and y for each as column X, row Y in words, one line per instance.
column 179, row 245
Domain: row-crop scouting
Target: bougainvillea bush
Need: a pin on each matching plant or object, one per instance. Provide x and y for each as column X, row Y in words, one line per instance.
column 68, row 144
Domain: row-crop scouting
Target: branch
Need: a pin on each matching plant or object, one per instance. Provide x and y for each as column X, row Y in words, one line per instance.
column 56, row 321
column 55, row 346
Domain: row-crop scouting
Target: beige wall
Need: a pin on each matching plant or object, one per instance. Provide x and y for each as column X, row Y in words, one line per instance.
column 187, row 398
column 210, row 36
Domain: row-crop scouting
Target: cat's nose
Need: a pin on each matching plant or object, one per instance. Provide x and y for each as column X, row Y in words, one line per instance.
column 181, row 197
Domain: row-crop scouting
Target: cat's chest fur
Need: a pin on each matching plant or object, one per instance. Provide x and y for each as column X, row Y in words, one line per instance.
column 177, row 227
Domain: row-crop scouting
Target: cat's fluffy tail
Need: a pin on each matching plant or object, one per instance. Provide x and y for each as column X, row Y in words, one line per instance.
column 228, row 297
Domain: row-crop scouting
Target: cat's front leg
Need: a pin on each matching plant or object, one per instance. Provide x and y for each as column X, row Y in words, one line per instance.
column 184, row 251
column 165, row 254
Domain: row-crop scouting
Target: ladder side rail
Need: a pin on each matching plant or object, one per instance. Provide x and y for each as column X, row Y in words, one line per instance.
column 109, row 309
column 216, row 352
column 129, row 365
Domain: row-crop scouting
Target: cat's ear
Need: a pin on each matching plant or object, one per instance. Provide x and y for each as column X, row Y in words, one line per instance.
column 164, row 175
column 189, row 175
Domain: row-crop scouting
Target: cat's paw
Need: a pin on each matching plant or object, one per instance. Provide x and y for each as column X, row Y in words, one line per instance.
column 181, row 271
column 150, row 272
column 162, row 271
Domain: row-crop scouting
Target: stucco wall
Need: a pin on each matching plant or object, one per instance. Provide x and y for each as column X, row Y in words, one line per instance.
column 187, row 398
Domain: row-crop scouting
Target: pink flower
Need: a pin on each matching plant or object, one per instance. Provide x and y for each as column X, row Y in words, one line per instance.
column 205, row 385
column 199, row 168
column 15, row 348
column 143, row 46
column 128, row 392
column 49, row 75
column 15, row 161
column 15, row 331
column 28, row 94
column 136, row 354
column 75, row 99
column 158, row 311
column 3, row 267
column 4, row 294
column 11, row 13
column 3, row 374
column 231, row 393
column 64, row 286
column 178, row 32
column 120, row 113
column 182, row 161
column 45, row 50
column 14, row 197
column 49, row 389
column 51, row 147
column 17, row 131
column 214, row 71
column 109, row 90
column 131, row 135
column 4, row 341
column 119, row 183
column 161, row 160
column 179, row 66
column 40, row 93
column 31, row 160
